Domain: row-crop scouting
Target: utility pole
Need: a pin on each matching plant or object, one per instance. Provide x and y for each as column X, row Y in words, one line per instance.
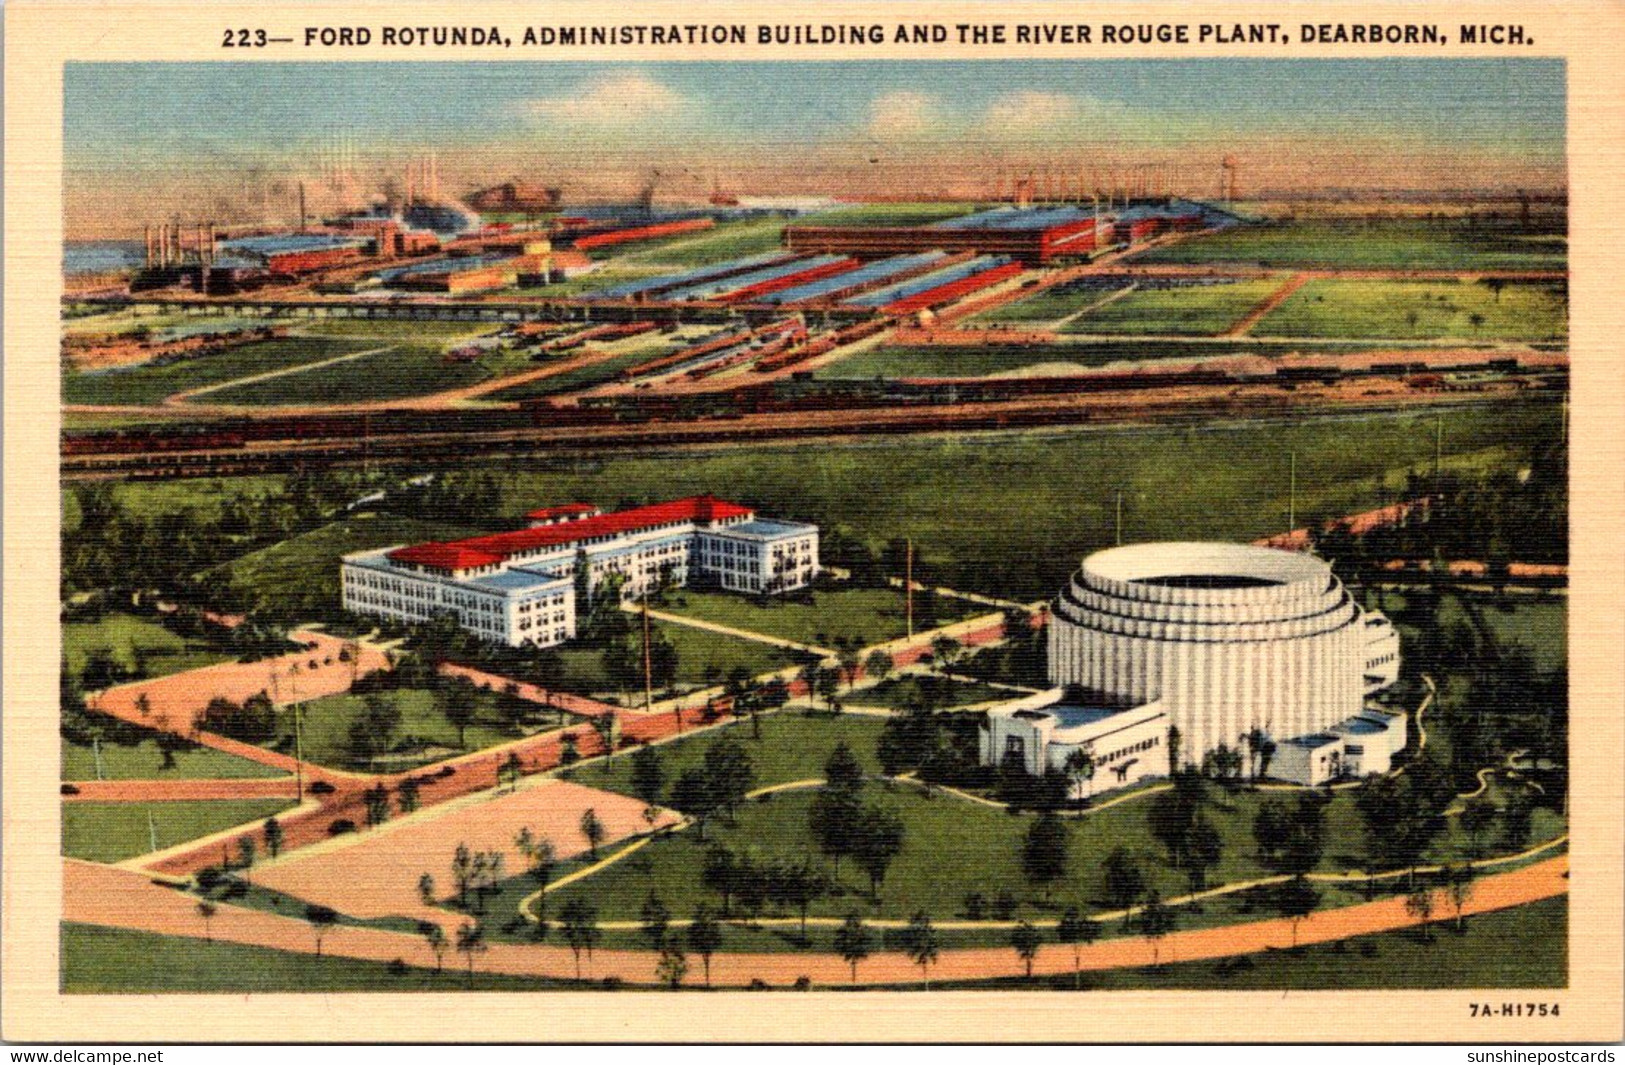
column 1438, row 449
column 648, row 673
column 96, row 749
column 152, row 832
column 298, row 759
column 1292, row 493
column 908, row 585
column 1119, row 517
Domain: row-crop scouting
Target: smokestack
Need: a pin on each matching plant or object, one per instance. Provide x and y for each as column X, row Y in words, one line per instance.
column 146, row 233
column 301, row 207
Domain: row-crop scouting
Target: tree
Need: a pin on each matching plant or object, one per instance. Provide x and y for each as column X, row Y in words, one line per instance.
column 510, row 771
column 406, row 795
column 206, row 910
column 273, row 837
column 1044, row 851
column 841, row 769
column 321, row 919
column 1295, row 900
column 1203, row 849
column 1080, row 768
column 828, row 684
column 849, row 656
column 1477, row 815
column 377, row 802
column 462, row 872
column 721, row 873
column 1075, row 931
column 436, row 938
column 607, row 726
column 1124, row 882
column 694, row 795
column 246, row 853
column 833, row 821
column 704, row 937
column 1154, row 921
column 592, row 829
column 673, row 966
column 470, row 942
column 944, row 651
column 1458, row 887
column 728, row 767
column 877, row 839
column 1025, row 941
column 798, row 885
column 648, row 775
column 579, row 922
column 655, row 920
column 458, row 699
column 426, row 889
column 879, row 665
column 853, row 942
column 1419, row 904
column 920, row 944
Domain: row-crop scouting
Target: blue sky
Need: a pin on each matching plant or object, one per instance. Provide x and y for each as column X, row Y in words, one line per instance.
column 131, row 116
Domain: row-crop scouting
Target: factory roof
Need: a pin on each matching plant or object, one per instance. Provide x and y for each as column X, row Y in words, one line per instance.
column 489, row 550
column 632, row 288
column 563, row 510
column 1019, row 218
column 445, row 266
column 517, row 580
column 285, row 243
column 878, row 270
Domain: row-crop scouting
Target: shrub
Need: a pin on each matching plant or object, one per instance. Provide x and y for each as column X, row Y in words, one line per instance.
column 340, row 827
column 322, row 787
column 69, row 789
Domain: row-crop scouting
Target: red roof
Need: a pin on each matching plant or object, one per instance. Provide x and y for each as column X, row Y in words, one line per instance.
column 444, row 556
column 484, row 550
column 563, row 510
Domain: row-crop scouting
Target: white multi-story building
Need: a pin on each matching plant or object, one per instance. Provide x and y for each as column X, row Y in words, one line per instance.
column 519, row 587
column 1126, row 744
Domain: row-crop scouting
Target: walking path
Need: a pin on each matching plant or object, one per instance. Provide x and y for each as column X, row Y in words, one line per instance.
column 729, row 630
column 103, row 895
column 190, row 394
column 1245, row 323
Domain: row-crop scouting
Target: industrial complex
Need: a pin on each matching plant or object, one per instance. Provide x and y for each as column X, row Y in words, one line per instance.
column 525, row 587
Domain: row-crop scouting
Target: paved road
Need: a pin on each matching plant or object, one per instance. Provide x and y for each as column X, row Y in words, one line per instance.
column 121, row 898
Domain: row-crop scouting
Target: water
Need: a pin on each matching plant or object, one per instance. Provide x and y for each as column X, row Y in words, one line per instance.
column 101, row 256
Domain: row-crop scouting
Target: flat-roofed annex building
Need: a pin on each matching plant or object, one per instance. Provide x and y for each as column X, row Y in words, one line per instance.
column 520, row 587
column 1226, row 639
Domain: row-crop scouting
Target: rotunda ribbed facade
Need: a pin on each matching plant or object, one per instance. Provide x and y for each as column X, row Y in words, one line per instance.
column 1229, row 637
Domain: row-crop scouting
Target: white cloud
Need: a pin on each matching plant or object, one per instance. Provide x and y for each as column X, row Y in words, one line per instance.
column 903, row 114
column 1028, row 111
column 624, row 100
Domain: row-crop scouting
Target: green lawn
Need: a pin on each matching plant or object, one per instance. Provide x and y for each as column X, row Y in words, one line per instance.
column 874, row 615
column 1420, row 309
column 793, row 747
column 1448, row 244
column 424, row 734
column 112, row 961
column 1198, row 310
column 1061, row 358
column 131, row 640
column 406, row 369
column 1521, row 947
column 587, row 376
column 728, row 240
column 898, row 693
column 144, row 761
column 697, row 650
column 301, row 575
column 1011, row 513
column 203, row 495
column 150, row 384
column 390, row 330
column 889, row 214
column 112, row 832
column 1052, row 303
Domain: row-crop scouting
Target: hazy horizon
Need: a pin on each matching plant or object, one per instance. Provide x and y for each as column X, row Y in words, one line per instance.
column 232, row 141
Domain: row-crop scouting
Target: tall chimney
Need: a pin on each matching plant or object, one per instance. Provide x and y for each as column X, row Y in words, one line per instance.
column 146, row 233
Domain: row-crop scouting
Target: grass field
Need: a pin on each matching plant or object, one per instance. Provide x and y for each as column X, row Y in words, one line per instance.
column 793, row 747
column 1011, row 514
column 698, row 652
column 874, row 615
column 1412, row 309
column 888, row 214
column 112, row 832
column 1051, row 304
column 144, row 761
column 1449, row 244
column 1005, row 360
column 387, row 330
column 160, row 651
column 586, row 376
column 112, row 961
column 145, row 385
column 325, row 728
column 303, row 573
column 407, row 369
column 728, row 240
column 1537, row 624
column 898, row 693
column 1196, row 310
column 150, row 499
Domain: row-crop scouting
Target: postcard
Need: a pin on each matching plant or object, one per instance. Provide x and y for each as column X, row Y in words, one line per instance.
column 947, row 522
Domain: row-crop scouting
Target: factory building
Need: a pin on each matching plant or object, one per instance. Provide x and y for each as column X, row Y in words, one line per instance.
column 1031, row 236
column 521, row 587
column 298, row 253
column 1044, row 732
column 1226, row 639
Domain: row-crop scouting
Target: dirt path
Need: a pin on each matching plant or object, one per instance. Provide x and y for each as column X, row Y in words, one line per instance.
column 182, row 790
column 179, row 398
column 729, row 630
column 103, row 895
column 1245, row 323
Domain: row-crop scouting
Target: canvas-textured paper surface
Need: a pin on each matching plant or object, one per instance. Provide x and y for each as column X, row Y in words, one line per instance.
column 869, row 522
